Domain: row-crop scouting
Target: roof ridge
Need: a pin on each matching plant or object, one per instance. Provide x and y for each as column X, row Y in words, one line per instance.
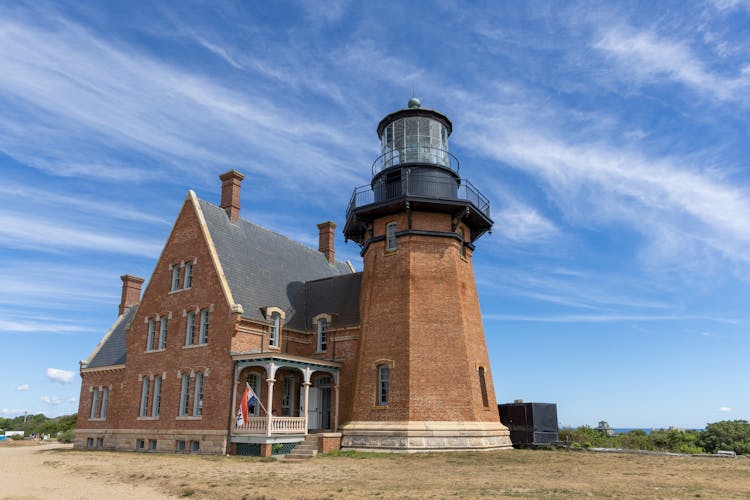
column 302, row 245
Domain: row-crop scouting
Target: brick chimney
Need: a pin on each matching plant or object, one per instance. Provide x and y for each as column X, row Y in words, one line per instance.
column 230, row 193
column 325, row 241
column 131, row 291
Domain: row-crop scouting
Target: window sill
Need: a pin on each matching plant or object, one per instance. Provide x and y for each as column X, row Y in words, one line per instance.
column 378, row 407
column 189, row 417
column 391, row 252
column 274, row 348
column 98, row 419
column 195, row 346
column 155, row 350
column 178, row 290
column 322, row 352
column 147, row 418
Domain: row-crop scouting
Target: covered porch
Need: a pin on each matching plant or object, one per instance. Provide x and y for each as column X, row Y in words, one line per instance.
column 305, row 399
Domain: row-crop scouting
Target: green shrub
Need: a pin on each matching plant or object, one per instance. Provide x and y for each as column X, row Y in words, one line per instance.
column 67, row 436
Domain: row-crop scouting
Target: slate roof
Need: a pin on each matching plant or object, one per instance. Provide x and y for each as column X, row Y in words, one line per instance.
column 265, row 269
column 338, row 295
column 112, row 351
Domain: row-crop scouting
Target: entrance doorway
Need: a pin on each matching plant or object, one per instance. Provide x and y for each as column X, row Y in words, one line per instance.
column 319, row 404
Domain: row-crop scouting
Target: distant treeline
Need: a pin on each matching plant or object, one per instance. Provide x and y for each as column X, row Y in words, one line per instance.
column 58, row 427
column 732, row 435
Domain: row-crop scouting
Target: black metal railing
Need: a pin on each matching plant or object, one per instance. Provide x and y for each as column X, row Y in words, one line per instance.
column 420, row 186
column 415, row 154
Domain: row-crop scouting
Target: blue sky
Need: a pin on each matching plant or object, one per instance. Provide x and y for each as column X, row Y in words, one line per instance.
column 612, row 141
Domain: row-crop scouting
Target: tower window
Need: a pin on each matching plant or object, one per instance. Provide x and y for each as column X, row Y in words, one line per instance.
column 483, row 387
column 390, row 237
column 383, row 380
column 322, row 335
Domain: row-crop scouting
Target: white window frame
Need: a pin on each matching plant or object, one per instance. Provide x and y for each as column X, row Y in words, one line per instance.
column 94, row 403
column 104, row 403
column 187, row 281
column 175, row 278
column 391, row 245
column 204, row 323
column 274, row 329
column 163, row 328
column 184, row 395
column 198, row 394
column 156, row 403
column 322, row 326
column 151, row 334
column 190, row 328
column 145, row 388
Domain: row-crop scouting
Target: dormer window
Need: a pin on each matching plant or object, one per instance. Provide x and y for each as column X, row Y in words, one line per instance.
column 274, row 330
column 322, row 335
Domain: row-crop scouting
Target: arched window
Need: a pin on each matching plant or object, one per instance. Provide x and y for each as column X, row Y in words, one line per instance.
column 390, row 237
column 384, row 374
column 273, row 332
column 483, row 387
column 322, row 335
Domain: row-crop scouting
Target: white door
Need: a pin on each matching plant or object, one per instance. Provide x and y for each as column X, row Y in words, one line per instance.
column 313, row 409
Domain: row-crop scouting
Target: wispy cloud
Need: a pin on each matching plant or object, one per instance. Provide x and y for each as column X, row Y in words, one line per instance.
column 23, row 387
column 60, row 376
column 599, row 318
column 648, row 57
column 725, row 409
column 57, row 400
column 23, row 231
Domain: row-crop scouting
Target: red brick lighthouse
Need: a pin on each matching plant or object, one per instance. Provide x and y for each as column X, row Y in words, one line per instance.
column 423, row 379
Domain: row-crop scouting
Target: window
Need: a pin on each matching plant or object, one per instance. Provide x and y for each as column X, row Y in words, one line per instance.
column 151, row 334
column 483, row 387
column 273, row 332
column 287, row 397
column 203, row 335
column 190, row 328
column 144, row 396
column 322, row 335
column 383, row 378
column 195, row 446
column 188, row 275
column 163, row 333
column 198, row 397
column 157, row 397
column 140, row 444
column 105, row 402
column 89, row 443
column 463, row 242
column 175, row 278
column 152, row 444
column 94, row 403
column 100, row 443
column 254, row 381
column 390, row 237
column 184, row 395
column 180, row 447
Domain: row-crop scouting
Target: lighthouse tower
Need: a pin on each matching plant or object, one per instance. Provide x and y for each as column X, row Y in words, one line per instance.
column 423, row 379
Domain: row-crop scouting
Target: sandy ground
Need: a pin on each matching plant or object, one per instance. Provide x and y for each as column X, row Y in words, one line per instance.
column 29, row 472
column 57, row 471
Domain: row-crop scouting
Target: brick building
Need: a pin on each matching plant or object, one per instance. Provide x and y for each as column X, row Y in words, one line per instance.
column 390, row 358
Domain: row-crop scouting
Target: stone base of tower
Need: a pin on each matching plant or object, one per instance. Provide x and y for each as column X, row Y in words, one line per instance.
column 410, row 437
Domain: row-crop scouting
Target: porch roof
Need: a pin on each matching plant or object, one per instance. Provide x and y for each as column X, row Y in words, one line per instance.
column 248, row 358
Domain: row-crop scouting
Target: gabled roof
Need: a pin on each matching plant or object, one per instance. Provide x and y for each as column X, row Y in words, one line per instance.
column 338, row 296
column 265, row 269
column 111, row 350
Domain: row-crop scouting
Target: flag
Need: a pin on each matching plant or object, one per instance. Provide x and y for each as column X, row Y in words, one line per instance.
column 251, row 400
column 238, row 421
column 243, row 403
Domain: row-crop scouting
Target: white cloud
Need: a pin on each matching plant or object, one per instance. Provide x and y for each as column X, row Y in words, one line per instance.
column 23, row 387
column 60, row 376
column 725, row 409
column 14, row 412
column 647, row 57
column 57, row 400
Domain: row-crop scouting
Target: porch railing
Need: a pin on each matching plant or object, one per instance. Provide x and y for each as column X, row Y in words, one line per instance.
column 279, row 425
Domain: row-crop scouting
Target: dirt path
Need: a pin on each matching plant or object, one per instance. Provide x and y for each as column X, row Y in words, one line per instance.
column 29, row 472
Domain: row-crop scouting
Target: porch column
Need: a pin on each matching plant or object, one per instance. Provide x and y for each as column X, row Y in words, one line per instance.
column 306, row 384
column 233, row 416
column 269, row 406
